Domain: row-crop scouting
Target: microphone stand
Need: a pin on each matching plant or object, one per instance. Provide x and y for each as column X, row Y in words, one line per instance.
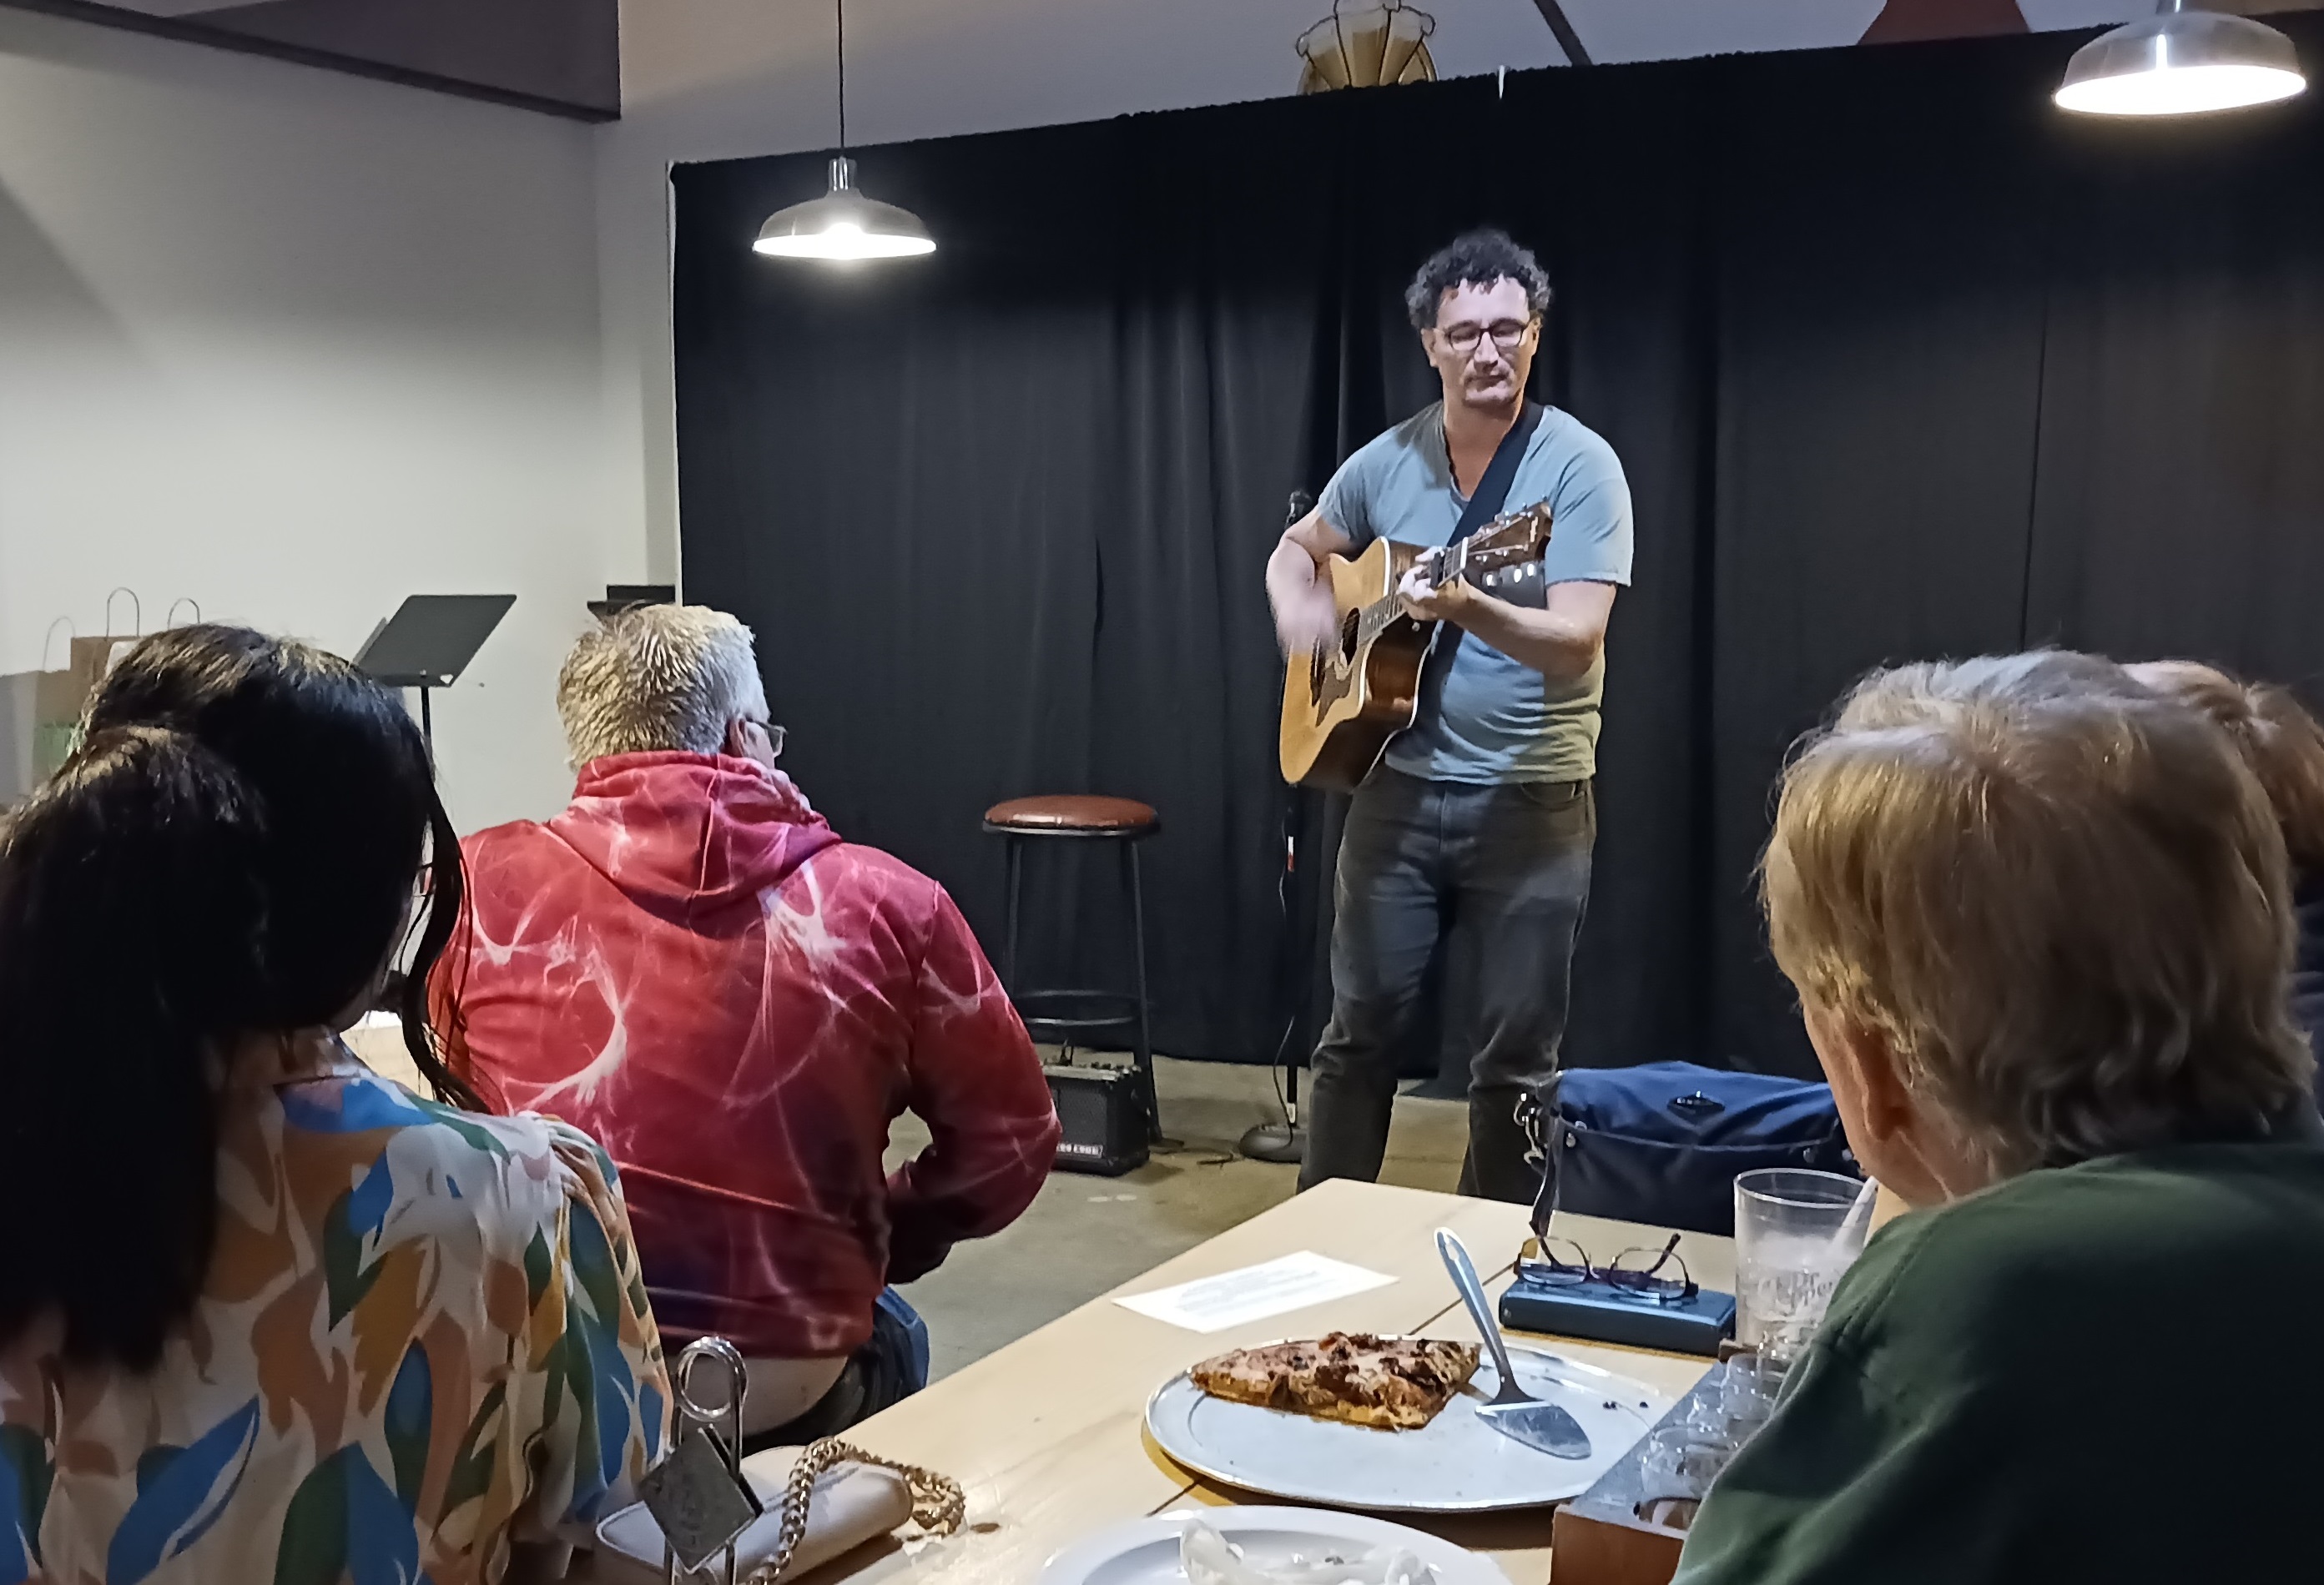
column 1285, row 1143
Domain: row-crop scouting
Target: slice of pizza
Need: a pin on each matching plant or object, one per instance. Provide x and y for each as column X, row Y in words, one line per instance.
column 1398, row 1384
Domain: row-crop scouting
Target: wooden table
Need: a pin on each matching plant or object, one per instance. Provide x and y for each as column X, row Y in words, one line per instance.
column 1048, row 1437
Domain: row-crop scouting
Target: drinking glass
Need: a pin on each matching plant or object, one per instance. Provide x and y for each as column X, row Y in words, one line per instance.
column 1677, row 1462
column 1793, row 1240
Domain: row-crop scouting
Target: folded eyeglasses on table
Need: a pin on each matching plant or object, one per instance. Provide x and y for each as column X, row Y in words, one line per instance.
column 1641, row 1272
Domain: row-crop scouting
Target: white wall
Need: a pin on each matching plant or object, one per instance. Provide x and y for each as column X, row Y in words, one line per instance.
column 295, row 344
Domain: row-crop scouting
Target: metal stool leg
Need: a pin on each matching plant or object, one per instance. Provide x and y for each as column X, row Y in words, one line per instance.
column 1144, row 1035
column 1009, row 948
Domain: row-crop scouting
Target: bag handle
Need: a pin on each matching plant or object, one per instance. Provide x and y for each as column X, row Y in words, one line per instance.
column 64, row 622
column 938, row 1503
column 136, row 611
column 1545, row 1129
column 170, row 620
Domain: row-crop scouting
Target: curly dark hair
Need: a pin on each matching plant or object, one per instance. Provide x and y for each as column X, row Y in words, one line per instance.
column 1476, row 258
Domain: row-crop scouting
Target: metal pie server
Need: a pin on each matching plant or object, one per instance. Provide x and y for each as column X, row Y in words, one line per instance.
column 1514, row 1411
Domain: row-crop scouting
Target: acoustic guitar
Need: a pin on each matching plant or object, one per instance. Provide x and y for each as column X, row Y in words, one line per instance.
column 1344, row 700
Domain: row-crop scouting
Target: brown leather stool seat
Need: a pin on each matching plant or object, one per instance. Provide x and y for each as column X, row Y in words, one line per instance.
column 1062, row 813
column 1070, row 1017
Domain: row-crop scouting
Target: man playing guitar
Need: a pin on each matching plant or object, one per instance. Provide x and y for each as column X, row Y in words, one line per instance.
column 1478, row 822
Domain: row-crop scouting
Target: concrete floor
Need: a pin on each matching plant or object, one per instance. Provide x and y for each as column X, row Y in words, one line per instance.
column 1084, row 1235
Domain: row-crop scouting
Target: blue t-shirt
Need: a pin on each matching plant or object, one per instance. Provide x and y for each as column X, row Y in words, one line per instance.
column 1486, row 718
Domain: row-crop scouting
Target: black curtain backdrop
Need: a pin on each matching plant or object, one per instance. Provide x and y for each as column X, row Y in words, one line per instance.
column 1900, row 360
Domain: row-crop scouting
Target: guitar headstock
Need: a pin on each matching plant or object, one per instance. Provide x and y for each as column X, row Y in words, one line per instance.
column 1508, row 541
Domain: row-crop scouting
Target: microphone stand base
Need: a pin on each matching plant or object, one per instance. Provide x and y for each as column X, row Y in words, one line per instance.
column 1284, row 1143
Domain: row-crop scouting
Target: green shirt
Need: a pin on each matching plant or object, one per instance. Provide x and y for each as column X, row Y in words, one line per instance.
column 2103, row 1372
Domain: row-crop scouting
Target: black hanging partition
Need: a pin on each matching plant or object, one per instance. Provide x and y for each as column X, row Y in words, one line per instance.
column 1899, row 362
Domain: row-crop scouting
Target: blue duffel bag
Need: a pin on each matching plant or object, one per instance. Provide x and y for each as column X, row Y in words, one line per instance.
column 1662, row 1143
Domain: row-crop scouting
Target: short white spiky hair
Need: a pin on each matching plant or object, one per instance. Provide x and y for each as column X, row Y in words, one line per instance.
column 656, row 677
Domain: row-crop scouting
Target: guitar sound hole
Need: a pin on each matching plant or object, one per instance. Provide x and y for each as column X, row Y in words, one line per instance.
column 1348, row 638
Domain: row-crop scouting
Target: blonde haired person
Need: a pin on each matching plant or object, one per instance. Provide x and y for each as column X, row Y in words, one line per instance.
column 660, row 677
column 692, row 965
column 2285, row 747
column 2037, row 919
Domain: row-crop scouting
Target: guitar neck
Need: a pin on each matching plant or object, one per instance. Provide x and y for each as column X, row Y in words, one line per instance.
column 1374, row 618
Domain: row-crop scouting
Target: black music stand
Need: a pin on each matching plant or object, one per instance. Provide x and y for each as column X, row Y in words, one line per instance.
column 429, row 643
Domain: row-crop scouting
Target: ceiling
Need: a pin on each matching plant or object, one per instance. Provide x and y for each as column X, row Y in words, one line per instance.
column 565, row 56
column 560, row 56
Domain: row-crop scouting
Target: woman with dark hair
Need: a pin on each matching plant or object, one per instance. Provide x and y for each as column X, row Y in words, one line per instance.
column 2284, row 746
column 263, row 1311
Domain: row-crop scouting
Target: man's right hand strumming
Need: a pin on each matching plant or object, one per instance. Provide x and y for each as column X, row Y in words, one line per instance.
column 1308, row 622
column 1305, row 617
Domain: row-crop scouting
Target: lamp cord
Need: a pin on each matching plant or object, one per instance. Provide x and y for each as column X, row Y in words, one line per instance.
column 839, row 8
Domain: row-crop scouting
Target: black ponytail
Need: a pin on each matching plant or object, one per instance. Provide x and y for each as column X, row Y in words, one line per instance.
column 447, row 889
column 132, row 929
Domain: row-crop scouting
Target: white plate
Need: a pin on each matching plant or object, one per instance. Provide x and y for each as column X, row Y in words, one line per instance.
column 1455, row 1464
column 1145, row 1551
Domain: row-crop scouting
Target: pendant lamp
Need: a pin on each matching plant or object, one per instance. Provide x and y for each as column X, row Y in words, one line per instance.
column 843, row 225
column 2181, row 62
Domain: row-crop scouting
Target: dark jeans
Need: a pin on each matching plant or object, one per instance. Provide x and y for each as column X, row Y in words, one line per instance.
column 891, row 1367
column 1504, row 869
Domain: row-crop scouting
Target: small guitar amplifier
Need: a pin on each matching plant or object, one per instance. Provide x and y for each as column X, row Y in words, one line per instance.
column 1103, row 1120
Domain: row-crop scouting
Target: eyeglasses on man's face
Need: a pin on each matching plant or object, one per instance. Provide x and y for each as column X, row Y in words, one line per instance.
column 1506, row 334
column 774, row 736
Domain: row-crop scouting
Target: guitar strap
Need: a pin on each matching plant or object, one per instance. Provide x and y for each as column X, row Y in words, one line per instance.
column 1484, row 506
column 1500, row 474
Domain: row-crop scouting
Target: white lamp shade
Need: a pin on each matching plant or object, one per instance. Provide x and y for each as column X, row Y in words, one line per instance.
column 843, row 225
column 2181, row 62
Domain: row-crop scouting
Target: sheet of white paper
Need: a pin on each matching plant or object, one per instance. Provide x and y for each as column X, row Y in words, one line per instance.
column 1252, row 1293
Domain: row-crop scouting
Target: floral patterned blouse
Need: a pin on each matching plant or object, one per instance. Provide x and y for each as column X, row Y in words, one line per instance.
column 423, row 1337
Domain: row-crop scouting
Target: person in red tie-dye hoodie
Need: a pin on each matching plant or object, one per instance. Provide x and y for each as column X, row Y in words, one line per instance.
column 691, row 965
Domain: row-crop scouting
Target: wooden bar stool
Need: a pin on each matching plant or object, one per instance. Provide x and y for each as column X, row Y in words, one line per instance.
column 1071, row 1017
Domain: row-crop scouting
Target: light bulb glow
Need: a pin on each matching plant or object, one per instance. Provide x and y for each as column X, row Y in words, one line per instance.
column 843, row 225
column 2181, row 62
column 842, row 242
column 2181, row 90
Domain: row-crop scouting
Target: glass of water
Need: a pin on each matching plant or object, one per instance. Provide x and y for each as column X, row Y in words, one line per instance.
column 1793, row 1240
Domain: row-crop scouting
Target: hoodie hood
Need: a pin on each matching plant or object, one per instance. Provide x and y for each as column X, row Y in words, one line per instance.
column 681, row 833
